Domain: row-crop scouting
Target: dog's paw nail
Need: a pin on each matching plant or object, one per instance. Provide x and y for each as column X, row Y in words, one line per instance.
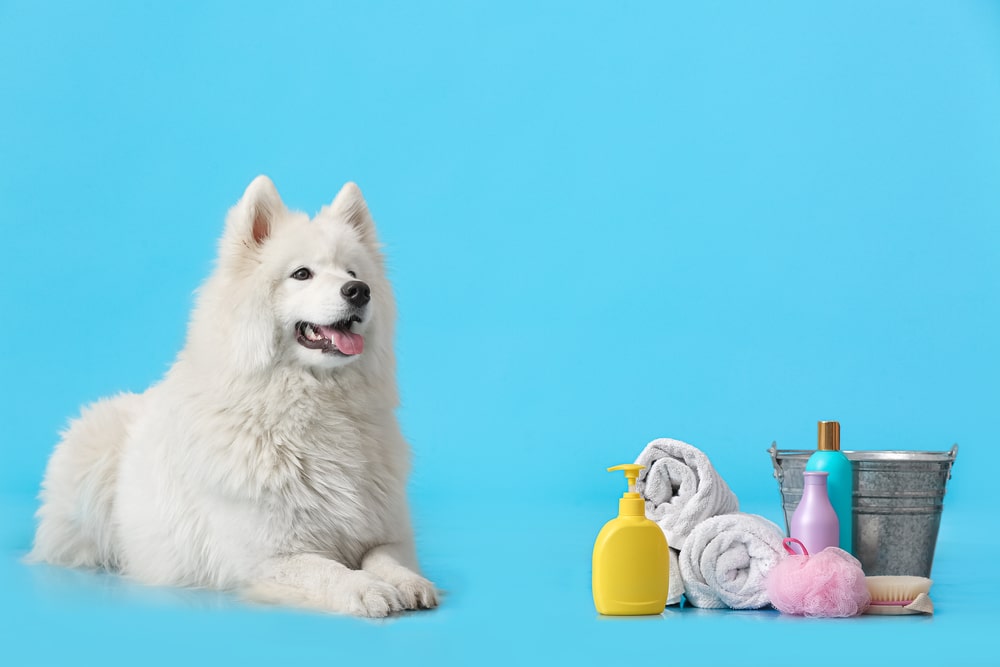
column 377, row 599
column 418, row 593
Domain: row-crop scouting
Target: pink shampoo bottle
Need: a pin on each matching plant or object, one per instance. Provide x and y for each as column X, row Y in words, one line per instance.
column 814, row 522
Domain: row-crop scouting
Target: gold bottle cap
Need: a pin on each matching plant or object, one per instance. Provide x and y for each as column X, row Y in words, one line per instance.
column 829, row 436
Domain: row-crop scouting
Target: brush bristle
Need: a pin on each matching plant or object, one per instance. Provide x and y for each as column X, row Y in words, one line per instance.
column 898, row 589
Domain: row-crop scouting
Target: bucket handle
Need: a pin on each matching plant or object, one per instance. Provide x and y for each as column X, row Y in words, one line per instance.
column 952, row 453
column 779, row 474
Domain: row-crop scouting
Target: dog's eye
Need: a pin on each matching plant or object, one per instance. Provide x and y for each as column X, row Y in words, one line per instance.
column 352, row 273
column 302, row 274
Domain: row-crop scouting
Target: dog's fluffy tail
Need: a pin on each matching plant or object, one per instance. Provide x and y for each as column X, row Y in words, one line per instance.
column 75, row 523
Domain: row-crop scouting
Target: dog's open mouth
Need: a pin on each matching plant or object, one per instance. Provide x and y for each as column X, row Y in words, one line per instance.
column 336, row 338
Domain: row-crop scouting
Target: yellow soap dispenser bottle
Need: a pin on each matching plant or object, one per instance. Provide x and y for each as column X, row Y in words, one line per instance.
column 631, row 569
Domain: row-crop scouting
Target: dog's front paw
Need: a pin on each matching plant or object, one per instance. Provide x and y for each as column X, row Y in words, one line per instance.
column 416, row 592
column 365, row 595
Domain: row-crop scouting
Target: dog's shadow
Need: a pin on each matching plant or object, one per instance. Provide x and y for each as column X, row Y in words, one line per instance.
column 96, row 588
column 87, row 587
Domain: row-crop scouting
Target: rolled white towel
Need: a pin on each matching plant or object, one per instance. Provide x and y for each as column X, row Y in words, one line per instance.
column 726, row 561
column 681, row 488
column 675, row 589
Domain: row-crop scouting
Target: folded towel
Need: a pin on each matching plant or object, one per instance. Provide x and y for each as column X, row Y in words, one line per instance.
column 681, row 488
column 726, row 561
column 675, row 589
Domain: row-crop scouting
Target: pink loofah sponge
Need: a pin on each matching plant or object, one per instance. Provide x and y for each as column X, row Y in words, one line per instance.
column 829, row 584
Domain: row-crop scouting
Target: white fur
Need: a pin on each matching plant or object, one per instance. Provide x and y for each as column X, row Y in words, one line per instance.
column 256, row 464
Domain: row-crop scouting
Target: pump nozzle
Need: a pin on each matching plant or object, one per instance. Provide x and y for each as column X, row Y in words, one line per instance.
column 631, row 503
column 631, row 471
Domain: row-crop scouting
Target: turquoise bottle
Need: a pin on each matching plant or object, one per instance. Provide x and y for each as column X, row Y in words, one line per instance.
column 840, row 479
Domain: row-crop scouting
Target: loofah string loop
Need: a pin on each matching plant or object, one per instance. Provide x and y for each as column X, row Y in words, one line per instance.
column 789, row 541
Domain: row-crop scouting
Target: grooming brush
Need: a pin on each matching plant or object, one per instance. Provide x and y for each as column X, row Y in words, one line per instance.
column 899, row 595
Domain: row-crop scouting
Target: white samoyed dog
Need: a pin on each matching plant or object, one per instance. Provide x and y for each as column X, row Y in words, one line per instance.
column 269, row 459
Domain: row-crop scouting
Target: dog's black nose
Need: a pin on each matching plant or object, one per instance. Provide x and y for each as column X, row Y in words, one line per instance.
column 356, row 292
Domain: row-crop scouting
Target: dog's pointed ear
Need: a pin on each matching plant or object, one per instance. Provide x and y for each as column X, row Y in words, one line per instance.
column 252, row 218
column 350, row 205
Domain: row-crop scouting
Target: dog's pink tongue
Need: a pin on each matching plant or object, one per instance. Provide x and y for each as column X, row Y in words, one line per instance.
column 346, row 341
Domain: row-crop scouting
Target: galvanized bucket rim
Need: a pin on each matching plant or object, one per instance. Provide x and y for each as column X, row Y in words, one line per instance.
column 874, row 455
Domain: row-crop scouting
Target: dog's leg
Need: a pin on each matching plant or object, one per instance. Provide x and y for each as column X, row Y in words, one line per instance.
column 76, row 526
column 386, row 562
column 310, row 580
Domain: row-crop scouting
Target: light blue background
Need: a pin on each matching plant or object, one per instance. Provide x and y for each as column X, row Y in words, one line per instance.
column 606, row 223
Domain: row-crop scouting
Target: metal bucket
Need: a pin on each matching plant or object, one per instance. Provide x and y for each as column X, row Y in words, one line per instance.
column 898, row 496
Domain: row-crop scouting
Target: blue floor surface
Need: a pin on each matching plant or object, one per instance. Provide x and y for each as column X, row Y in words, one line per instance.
column 517, row 591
